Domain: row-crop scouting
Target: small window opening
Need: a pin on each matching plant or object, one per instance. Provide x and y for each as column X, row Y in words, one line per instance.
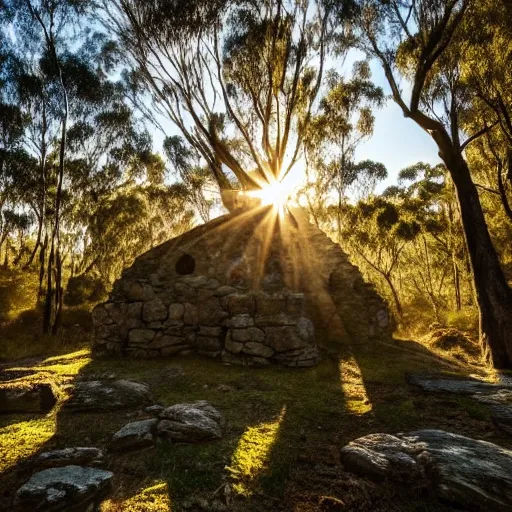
column 185, row 265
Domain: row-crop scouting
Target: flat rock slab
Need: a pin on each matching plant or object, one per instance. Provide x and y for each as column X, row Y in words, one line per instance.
column 439, row 384
column 474, row 474
column 191, row 422
column 79, row 456
column 110, row 395
column 66, row 488
column 497, row 396
column 29, row 398
column 137, row 434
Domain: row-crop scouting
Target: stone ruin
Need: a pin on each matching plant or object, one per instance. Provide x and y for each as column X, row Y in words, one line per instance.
column 249, row 287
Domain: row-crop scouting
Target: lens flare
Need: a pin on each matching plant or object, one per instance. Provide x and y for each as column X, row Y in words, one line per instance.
column 276, row 194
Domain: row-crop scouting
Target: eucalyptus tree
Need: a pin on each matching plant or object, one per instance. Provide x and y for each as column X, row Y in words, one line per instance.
column 377, row 231
column 424, row 42
column 198, row 182
column 239, row 79
column 344, row 120
column 47, row 26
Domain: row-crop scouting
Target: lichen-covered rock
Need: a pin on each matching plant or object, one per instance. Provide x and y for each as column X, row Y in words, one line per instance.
column 65, row 488
column 97, row 395
column 190, row 422
column 77, row 456
column 474, row 474
column 136, row 434
column 26, row 397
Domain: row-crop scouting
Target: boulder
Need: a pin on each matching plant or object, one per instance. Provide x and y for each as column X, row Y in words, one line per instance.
column 501, row 416
column 190, row 422
column 438, row 384
column 66, row 488
column 97, row 395
column 26, row 398
column 77, row 456
column 497, row 396
column 137, row 434
column 474, row 474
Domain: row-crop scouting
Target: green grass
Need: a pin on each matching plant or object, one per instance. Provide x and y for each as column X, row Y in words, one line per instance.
column 282, row 433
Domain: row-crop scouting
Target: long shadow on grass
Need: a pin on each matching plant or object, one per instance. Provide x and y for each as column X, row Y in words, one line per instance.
column 284, row 427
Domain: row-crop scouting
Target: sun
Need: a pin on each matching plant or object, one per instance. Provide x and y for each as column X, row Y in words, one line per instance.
column 276, row 194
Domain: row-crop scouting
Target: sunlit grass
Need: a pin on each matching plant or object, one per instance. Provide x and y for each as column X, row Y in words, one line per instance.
column 352, row 385
column 68, row 364
column 250, row 458
column 154, row 498
column 23, row 439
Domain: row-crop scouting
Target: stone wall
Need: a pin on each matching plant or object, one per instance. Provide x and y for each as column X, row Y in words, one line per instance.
column 199, row 314
column 248, row 287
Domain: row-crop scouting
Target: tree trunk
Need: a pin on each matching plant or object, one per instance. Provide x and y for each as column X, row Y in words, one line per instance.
column 38, row 243
column 396, row 299
column 456, row 282
column 493, row 294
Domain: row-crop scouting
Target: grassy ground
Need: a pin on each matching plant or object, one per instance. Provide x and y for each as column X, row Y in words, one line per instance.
column 283, row 429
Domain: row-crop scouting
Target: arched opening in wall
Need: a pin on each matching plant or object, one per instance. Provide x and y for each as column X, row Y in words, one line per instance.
column 185, row 265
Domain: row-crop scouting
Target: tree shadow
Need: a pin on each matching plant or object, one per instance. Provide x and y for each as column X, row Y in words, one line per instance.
column 283, row 430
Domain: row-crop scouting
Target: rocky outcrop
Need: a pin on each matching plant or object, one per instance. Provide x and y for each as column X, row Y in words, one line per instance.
column 134, row 435
column 189, row 423
column 245, row 288
column 184, row 423
column 23, row 397
column 498, row 396
column 108, row 395
column 65, row 488
column 76, row 456
column 474, row 474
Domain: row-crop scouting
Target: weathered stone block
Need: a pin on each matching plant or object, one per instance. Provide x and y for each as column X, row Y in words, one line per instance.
column 240, row 321
column 239, row 303
column 132, row 314
column 205, row 330
column 100, row 315
column 186, row 291
column 190, row 315
column 248, row 334
column 295, row 303
column 195, row 281
column 163, row 340
column 108, row 332
column 270, row 305
column 254, row 348
column 233, row 346
column 282, row 339
column 204, row 294
column 140, row 292
column 140, row 336
column 305, row 329
column 278, row 319
column 221, row 291
column 176, row 311
column 210, row 312
column 154, row 310
column 212, row 284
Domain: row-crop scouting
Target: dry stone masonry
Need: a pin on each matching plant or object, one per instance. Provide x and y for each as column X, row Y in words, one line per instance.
column 247, row 287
